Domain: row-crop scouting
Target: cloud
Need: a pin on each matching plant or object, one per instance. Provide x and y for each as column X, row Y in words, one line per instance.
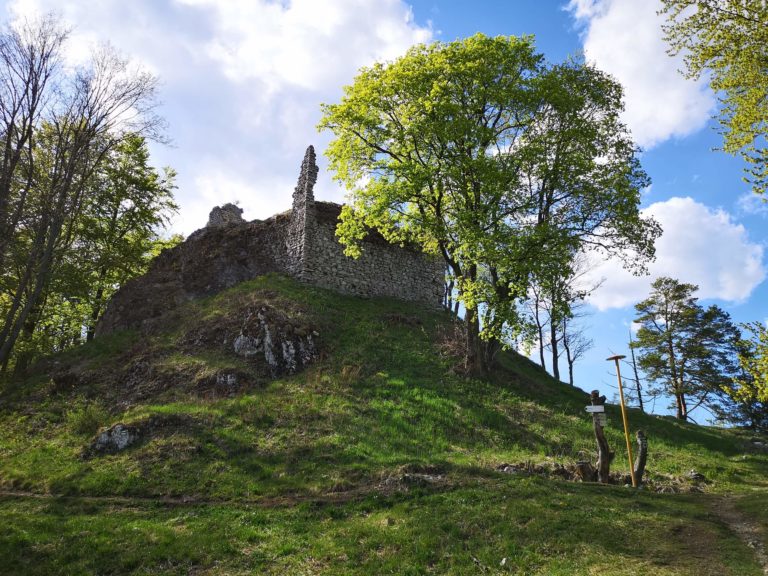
column 624, row 38
column 242, row 82
column 700, row 245
column 752, row 204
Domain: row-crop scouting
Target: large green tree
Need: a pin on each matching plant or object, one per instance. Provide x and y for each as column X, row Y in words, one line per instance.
column 688, row 351
column 726, row 41
column 483, row 154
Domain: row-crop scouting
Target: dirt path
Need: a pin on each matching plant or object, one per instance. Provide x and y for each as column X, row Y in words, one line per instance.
column 385, row 488
column 749, row 532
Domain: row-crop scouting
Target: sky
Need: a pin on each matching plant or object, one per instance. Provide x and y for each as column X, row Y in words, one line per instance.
column 242, row 82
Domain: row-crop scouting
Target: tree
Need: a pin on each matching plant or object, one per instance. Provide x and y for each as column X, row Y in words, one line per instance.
column 727, row 40
column 58, row 127
column 482, row 154
column 118, row 229
column 749, row 388
column 638, row 392
column 125, row 205
column 556, row 302
column 575, row 341
column 688, row 350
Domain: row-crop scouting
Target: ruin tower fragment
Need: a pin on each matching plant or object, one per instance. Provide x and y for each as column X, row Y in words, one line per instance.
column 300, row 233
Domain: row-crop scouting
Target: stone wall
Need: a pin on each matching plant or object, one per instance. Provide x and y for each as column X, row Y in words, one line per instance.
column 300, row 243
column 382, row 270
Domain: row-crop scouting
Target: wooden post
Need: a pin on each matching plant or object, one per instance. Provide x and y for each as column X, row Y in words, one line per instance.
column 624, row 418
column 642, row 456
column 604, row 455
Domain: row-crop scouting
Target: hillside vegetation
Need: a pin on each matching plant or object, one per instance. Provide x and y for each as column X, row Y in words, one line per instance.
column 378, row 458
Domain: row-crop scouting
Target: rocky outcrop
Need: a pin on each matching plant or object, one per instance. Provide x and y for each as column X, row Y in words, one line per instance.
column 114, row 439
column 286, row 347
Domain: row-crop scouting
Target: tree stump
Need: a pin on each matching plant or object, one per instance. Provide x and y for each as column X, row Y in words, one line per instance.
column 642, row 456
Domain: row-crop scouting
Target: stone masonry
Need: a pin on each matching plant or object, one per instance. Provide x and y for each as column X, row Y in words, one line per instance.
column 300, row 243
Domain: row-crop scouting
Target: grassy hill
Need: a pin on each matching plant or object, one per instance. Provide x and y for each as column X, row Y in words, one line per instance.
column 378, row 458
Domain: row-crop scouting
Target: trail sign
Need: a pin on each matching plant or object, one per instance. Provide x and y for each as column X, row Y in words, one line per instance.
column 601, row 419
column 595, row 409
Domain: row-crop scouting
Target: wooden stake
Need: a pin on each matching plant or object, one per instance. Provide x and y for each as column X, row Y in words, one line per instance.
column 624, row 417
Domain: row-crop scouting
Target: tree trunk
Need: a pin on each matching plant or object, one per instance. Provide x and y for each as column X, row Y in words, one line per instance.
column 553, row 346
column 567, row 347
column 637, row 376
column 96, row 306
column 25, row 358
column 540, row 332
column 681, row 410
column 475, row 354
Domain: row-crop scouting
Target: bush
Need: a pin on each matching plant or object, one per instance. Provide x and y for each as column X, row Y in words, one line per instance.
column 87, row 418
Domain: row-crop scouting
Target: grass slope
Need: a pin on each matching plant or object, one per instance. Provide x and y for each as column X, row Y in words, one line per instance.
column 378, row 459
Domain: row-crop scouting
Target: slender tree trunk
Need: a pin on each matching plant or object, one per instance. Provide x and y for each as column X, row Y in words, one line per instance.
column 22, row 288
column 25, row 358
column 638, row 388
column 96, row 308
column 567, row 347
column 540, row 332
column 553, row 346
column 682, row 413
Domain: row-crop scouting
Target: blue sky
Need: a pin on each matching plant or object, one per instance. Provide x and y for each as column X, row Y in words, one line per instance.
column 242, row 81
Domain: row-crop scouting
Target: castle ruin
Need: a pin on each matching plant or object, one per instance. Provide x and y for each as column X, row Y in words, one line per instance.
column 300, row 243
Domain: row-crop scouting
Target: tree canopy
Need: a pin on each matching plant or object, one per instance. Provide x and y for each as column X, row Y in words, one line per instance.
column 498, row 162
column 749, row 390
column 59, row 128
column 686, row 349
column 727, row 42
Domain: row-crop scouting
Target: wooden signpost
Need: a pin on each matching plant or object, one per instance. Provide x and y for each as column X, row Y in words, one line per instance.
column 604, row 456
column 624, row 417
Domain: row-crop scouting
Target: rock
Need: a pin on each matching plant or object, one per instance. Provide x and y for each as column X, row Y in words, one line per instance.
column 226, row 380
column 697, row 476
column 285, row 347
column 115, row 439
column 247, row 346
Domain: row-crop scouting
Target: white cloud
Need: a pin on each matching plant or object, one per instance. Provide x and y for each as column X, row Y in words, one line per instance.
column 700, row 245
column 624, row 38
column 242, row 83
column 752, row 204
column 305, row 43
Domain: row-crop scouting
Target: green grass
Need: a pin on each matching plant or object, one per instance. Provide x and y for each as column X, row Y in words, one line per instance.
column 323, row 472
column 539, row 527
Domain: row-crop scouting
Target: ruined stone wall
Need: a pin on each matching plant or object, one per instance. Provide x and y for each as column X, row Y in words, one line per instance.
column 302, row 216
column 300, row 243
column 209, row 261
column 383, row 269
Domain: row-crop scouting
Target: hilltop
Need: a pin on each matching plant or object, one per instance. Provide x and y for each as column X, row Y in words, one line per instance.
column 278, row 428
